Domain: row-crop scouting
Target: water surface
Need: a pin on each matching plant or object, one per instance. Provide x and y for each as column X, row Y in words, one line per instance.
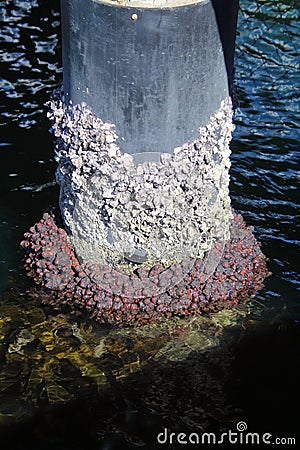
column 247, row 373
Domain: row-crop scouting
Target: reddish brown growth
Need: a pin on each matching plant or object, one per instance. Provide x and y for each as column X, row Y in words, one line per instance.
column 51, row 262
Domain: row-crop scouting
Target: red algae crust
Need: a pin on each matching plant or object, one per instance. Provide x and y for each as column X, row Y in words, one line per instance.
column 51, row 262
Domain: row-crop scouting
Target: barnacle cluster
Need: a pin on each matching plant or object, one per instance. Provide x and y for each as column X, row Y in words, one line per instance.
column 173, row 209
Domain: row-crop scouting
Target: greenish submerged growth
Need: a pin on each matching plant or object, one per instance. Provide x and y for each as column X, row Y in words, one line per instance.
column 50, row 357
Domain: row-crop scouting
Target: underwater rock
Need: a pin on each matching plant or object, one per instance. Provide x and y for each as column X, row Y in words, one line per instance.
column 97, row 289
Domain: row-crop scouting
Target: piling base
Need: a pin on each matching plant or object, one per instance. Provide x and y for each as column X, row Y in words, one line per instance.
column 51, row 262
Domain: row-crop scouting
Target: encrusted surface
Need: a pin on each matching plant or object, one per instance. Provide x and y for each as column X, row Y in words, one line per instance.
column 174, row 209
column 200, row 255
column 51, row 262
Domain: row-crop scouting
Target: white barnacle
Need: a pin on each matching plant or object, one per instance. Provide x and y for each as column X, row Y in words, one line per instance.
column 157, row 205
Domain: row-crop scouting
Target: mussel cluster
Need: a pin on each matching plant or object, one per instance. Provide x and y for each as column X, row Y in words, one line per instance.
column 50, row 260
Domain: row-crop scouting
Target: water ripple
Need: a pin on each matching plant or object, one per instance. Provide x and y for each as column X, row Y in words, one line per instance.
column 265, row 150
column 30, row 56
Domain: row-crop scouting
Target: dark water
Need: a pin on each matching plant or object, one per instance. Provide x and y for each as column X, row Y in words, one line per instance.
column 253, row 375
